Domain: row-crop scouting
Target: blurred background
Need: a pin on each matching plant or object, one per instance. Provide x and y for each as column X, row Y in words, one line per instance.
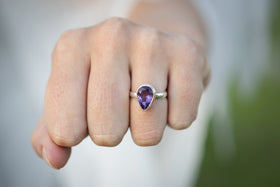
column 255, row 121
column 247, row 156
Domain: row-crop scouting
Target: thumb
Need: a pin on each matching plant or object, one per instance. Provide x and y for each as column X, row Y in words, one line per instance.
column 54, row 155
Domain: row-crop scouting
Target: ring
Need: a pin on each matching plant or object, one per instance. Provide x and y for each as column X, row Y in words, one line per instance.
column 146, row 95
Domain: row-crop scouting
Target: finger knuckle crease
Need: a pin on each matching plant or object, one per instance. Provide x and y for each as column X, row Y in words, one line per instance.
column 147, row 138
column 178, row 125
column 62, row 139
column 65, row 136
column 106, row 140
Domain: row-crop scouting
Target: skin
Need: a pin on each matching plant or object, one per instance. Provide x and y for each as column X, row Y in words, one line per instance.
column 93, row 69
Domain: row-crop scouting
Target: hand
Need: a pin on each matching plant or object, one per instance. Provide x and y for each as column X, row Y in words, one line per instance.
column 93, row 71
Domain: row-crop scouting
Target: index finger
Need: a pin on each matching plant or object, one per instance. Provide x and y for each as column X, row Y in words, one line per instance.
column 66, row 93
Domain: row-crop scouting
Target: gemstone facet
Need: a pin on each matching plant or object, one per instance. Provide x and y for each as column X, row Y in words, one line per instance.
column 145, row 96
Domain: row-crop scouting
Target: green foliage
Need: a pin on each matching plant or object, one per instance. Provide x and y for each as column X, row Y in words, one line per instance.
column 256, row 127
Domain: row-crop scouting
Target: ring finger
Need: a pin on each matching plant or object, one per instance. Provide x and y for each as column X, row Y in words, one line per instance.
column 147, row 126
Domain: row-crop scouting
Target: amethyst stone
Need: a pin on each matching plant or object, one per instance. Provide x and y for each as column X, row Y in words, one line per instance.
column 145, row 96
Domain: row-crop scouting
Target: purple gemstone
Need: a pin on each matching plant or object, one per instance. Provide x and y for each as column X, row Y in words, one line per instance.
column 145, row 96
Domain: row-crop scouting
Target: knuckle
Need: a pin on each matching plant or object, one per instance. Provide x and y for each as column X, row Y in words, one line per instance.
column 178, row 124
column 110, row 36
column 148, row 38
column 192, row 53
column 66, row 136
column 106, row 140
column 114, row 26
column 62, row 140
column 67, row 39
column 148, row 138
column 106, row 132
column 188, row 45
column 69, row 43
column 115, row 21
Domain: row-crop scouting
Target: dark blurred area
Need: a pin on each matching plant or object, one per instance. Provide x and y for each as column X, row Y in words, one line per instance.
column 256, row 129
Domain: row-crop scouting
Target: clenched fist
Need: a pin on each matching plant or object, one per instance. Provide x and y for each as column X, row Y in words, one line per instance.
column 93, row 71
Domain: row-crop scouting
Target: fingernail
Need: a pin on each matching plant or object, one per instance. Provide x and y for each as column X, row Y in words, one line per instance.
column 45, row 157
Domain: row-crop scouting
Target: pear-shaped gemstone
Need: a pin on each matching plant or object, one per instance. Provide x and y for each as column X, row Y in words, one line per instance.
column 145, row 96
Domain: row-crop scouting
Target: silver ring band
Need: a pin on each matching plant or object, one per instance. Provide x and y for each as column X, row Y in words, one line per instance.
column 157, row 95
